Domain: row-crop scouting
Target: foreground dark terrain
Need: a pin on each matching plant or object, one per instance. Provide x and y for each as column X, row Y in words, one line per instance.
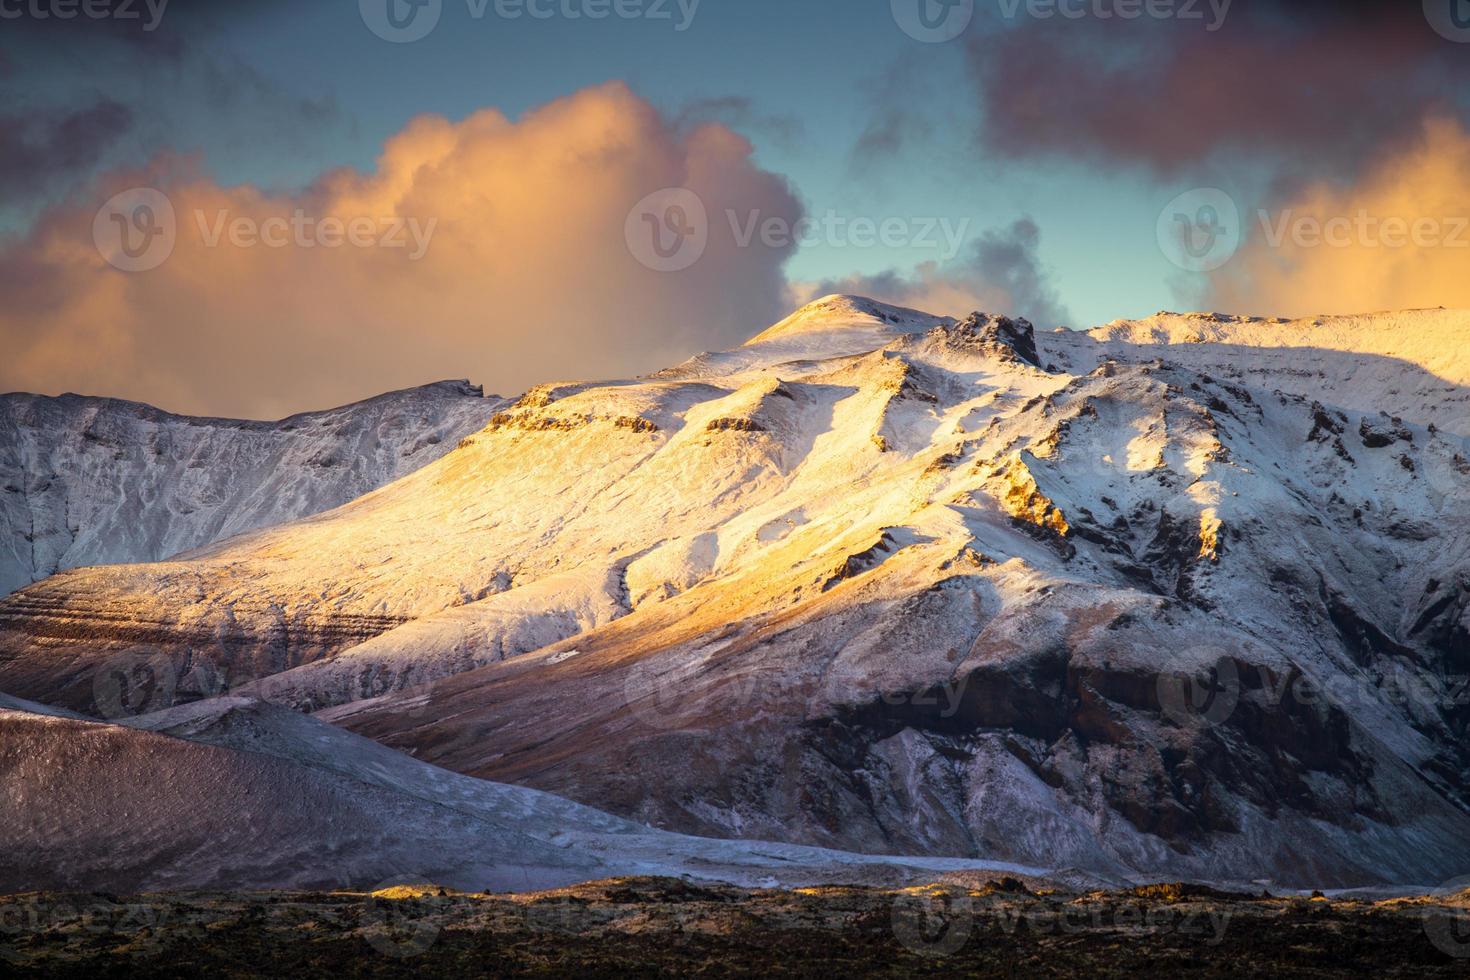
column 665, row 927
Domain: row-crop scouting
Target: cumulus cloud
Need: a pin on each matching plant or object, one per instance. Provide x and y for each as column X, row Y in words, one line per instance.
column 1000, row 273
column 526, row 276
column 1397, row 238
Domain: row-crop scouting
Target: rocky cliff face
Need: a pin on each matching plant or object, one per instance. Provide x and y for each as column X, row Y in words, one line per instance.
column 1158, row 600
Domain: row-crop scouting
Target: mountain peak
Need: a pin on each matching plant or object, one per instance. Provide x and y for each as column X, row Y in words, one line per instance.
column 839, row 312
column 1016, row 335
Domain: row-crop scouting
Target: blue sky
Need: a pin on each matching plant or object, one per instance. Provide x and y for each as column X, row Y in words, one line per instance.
column 808, row 74
column 815, row 67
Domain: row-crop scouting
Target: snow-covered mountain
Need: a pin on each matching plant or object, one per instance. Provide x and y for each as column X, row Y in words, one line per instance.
column 99, row 481
column 895, row 583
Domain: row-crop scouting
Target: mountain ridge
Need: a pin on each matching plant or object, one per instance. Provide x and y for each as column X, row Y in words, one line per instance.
column 946, row 590
column 88, row 480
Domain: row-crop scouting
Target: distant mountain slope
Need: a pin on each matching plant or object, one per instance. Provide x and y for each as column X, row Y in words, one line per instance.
column 897, row 583
column 1414, row 363
column 234, row 794
column 92, row 481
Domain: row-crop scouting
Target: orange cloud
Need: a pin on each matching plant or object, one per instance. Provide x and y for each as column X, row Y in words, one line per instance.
column 524, row 273
column 1398, row 238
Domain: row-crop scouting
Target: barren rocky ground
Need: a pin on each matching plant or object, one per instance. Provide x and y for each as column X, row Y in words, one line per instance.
column 666, row 927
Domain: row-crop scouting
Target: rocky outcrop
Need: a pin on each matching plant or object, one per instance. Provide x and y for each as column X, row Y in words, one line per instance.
column 1007, row 337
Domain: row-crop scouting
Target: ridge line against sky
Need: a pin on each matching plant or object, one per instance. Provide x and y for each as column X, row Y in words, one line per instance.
column 1056, row 147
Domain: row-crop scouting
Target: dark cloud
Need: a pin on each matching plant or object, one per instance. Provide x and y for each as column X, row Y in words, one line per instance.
column 738, row 113
column 40, row 150
column 1002, row 272
column 231, row 86
column 1334, row 85
column 103, row 93
column 159, row 27
column 896, row 120
column 885, row 135
column 1008, row 258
